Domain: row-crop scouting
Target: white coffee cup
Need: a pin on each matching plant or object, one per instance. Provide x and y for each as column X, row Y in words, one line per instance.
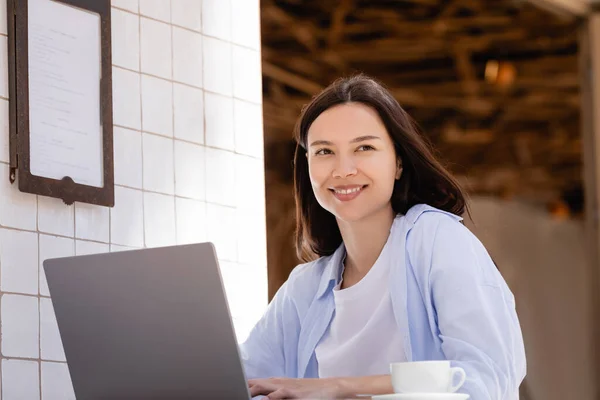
column 426, row 377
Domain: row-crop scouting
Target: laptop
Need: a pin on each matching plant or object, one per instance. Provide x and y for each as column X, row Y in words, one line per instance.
column 147, row 324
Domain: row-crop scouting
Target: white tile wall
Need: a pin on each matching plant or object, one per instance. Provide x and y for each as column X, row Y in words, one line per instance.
column 251, row 234
column 158, row 164
column 125, row 39
column 4, row 66
column 216, row 18
column 221, row 230
column 247, row 280
column 17, row 209
column 50, row 344
column 84, row 247
column 188, row 113
column 245, row 23
column 20, row 326
column 127, row 218
column 129, row 5
column 4, row 142
column 187, row 57
column 127, row 157
column 52, row 247
column 92, row 222
column 218, row 110
column 187, row 13
column 127, row 109
column 249, row 184
column 221, row 177
column 188, row 168
column 155, row 48
column 157, row 9
column 157, row 105
column 217, row 66
column 247, row 81
column 56, row 217
column 56, row 382
column 115, row 248
column 20, row 379
column 3, row 21
column 159, row 220
column 191, row 221
column 18, row 261
column 248, row 128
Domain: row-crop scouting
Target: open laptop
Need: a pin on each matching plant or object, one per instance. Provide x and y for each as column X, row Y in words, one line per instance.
column 147, row 324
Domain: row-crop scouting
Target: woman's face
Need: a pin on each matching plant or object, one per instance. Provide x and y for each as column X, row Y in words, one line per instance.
column 352, row 162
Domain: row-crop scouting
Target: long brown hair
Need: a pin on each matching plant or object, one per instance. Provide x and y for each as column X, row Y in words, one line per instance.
column 424, row 179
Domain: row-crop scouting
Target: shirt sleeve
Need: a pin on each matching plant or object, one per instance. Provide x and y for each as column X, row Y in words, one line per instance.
column 476, row 315
column 263, row 352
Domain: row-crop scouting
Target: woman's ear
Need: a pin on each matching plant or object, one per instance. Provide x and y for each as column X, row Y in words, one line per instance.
column 398, row 169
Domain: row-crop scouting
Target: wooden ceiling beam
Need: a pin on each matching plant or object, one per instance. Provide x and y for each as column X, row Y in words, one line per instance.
column 303, row 66
column 304, row 32
column 293, row 80
column 338, row 22
column 549, row 83
column 437, row 74
column 403, row 28
column 449, row 9
column 424, row 2
column 466, row 71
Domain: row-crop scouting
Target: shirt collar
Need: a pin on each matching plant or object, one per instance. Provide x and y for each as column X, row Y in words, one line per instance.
column 333, row 267
column 333, row 263
column 417, row 210
column 331, row 272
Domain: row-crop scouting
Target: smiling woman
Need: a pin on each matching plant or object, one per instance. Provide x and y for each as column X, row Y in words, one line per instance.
column 359, row 116
column 335, row 162
column 392, row 275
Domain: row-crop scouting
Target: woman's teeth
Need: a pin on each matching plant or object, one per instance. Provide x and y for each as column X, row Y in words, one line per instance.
column 348, row 191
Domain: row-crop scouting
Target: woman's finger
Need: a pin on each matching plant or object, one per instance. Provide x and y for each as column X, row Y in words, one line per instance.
column 256, row 390
column 262, row 388
column 281, row 393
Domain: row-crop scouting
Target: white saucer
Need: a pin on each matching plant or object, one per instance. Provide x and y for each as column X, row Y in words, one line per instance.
column 422, row 396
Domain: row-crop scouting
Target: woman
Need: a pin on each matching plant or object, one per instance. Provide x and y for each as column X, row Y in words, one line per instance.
column 398, row 277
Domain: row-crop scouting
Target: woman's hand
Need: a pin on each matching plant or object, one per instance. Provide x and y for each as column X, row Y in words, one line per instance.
column 289, row 388
column 323, row 388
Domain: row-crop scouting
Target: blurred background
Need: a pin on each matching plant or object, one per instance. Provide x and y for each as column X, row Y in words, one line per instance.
column 502, row 88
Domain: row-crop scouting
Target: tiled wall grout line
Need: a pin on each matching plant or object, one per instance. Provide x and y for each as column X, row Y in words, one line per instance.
column 142, row 134
column 188, row 29
column 183, row 84
column 173, row 126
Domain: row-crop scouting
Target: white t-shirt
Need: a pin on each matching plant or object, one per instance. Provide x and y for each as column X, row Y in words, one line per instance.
column 363, row 338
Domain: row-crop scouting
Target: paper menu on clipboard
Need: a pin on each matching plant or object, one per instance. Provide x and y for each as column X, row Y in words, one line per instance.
column 64, row 51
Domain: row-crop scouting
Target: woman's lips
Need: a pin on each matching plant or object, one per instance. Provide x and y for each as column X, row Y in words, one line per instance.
column 347, row 192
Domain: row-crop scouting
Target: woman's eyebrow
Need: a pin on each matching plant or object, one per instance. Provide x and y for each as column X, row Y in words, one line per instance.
column 321, row 143
column 355, row 140
column 363, row 138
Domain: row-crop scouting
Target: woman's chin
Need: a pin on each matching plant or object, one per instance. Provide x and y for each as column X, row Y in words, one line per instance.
column 349, row 215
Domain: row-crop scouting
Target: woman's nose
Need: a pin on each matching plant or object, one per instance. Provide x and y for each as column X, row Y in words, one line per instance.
column 344, row 167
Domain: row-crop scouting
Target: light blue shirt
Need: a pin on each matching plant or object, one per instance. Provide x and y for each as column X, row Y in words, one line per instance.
column 449, row 302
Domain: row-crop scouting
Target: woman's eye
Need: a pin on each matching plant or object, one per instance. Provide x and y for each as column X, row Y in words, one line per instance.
column 322, row 152
column 365, row 147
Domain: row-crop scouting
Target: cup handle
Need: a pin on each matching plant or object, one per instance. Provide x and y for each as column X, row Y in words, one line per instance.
column 463, row 376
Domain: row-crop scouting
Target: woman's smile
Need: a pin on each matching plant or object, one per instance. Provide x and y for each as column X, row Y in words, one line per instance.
column 347, row 192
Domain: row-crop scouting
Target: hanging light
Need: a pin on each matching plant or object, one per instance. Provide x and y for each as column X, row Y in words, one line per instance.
column 500, row 73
